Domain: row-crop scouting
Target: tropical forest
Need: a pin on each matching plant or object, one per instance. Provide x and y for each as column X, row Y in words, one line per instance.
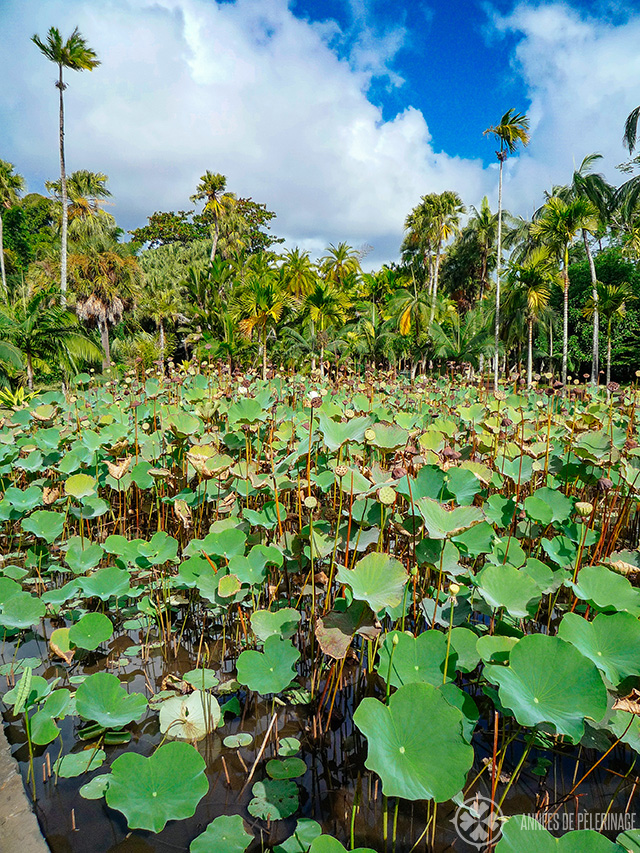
column 305, row 556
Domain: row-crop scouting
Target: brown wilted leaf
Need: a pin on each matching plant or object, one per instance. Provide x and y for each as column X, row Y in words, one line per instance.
column 183, row 513
column 630, row 703
column 119, row 469
column 50, row 495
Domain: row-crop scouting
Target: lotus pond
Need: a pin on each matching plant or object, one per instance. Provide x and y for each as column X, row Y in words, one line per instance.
column 300, row 615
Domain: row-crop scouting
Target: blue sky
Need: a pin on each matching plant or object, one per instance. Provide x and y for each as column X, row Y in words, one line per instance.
column 338, row 114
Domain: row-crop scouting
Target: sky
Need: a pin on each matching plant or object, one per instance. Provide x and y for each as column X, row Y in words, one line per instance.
column 337, row 114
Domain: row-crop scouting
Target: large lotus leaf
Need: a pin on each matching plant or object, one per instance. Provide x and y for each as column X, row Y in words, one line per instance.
column 416, row 758
column 246, row 410
column 92, row 630
column 524, row 834
column 22, row 611
column 286, row 768
column 463, row 484
column 500, row 510
column 102, row 698
column 388, row 436
column 42, row 724
column 279, row 623
column 8, row 588
column 495, row 648
column 429, row 483
column 605, row 590
column 441, row 523
column 505, row 586
column 377, row 579
column 106, row 582
column 81, row 556
column 189, row 717
column 273, row 799
column 594, row 444
column 222, row 543
column 465, row 704
column 183, row 424
column 415, row 659
column 271, row 670
column 327, row 844
column 629, row 841
column 166, row 786
column 549, row 681
column 226, row 834
column 45, row 524
column 335, row 434
column 161, row 548
column 77, row 763
column 305, row 833
column 611, row 642
column 463, row 643
column 24, row 500
column 80, row 486
column 477, row 540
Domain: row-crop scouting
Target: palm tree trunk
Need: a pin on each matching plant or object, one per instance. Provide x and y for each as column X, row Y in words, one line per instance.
column 214, row 244
column 162, row 342
column 608, row 355
column 65, row 212
column 498, row 259
column 29, row 372
column 565, row 317
column 595, row 354
column 313, row 354
column 436, row 273
column 2, row 270
column 264, row 353
column 530, row 354
column 104, row 339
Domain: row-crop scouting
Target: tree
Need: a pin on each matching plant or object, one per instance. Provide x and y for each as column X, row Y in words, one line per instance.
column 299, row 276
column 86, row 191
column 461, row 339
column 11, row 185
column 326, row 306
column 528, row 291
column 77, row 56
column 557, row 227
column 512, row 129
column 212, row 187
column 340, row 264
column 631, row 130
column 105, row 278
column 611, row 302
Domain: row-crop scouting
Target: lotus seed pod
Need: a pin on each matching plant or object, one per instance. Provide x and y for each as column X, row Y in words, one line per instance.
column 454, row 588
column 386, row 496
column 341, row 471
column 349, row 413
column 316, row 402
column 310, row 502
column 369, row 435
column 584, row 509
column 500, row 395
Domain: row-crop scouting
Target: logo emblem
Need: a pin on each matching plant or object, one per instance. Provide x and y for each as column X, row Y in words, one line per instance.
column 477, row 820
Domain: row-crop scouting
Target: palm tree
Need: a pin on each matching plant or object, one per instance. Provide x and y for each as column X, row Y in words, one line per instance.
column 462, row 339
column 557, row 227
column 528, row 292
column 299, row 275
column 340, row 265
column 611, row 302
column 326, row 306
column 11, row 185
column 212, row 187
column 43, row 332
column 512, row 129
column 631, row 130
column 258, row 306
column 105, row 278
column 86, row 191
column 76, row 55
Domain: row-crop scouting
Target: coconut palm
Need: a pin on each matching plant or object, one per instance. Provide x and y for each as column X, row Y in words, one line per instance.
column 512, row 129
column 299, row 276
column 462, row 339
column 631, row 130
column 326, row 307
column 11, row 185
column 340, row 265
column 212, row 187
column 77, row 56
column 105, row 278
column 86, row 192
column 258, row 306
column 528, row 292
column 557, row 227
column 611, row 302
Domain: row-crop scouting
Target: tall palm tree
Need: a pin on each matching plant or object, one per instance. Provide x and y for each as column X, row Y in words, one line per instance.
column 326, row 306
column 611, row 303
column 105, row 278
column 512, row 129
column 528, row 291
column 212, row 187
column 631, row 129
column 11, row 185
column 557, row 228
column 86, row 192
column 339, row 264
column 258, row 306
column 299, row 275
column 77, row 56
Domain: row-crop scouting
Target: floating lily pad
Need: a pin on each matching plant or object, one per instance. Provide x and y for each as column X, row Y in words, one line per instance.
column 102, row 698
column 92, row 630
column 238, row 740
column 77, row 763
column 96, row 788
column 305, row 833
column 22, row 611
column 273, row 799
column 286, row 768
column 271, row 670
column 289, row 746
column 226, row 834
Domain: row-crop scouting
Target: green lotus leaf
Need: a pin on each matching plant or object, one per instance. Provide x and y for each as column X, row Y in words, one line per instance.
column 286, row 768
column 305, row 833
column 22, row 610
column 203, row 678
column 281, row 623
column 8, row 588
column 335, row 433
column 377, row 579
column 43, row 727
column 151, row 791
column 189, row 717
column 289, row 746
column 161, row 548
column 96, row 788
column 506, row 586
column 464, row 644
column 271, row 670
column 415, row 659
column 548, row 681
column 524, row 834
column 611, row 642
column 520, row 469
column 273, row 799
column 441, row 523
column 246, row 410
column 80, row 486
column 415, row 759
column 226, row 834
column 101, row 697
column 388, row 436
column 45, row 524
column 24, row 500
column 238, row 740
column 92, row 630
column 607, row 591
column 495, row 648
column 106, row 583
column 463, row 484
column 77, row 763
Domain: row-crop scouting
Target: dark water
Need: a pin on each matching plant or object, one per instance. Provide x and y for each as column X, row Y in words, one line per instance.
column 335, row 768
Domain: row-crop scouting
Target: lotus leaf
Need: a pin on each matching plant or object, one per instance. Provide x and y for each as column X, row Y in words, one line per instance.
column 505, row 586
column 281, row 623
column 102, row 698
column 326, row 844
column 442, row 524
column 92, row 630
column 226, row 834
column 335, row 434
column 607, row 591
column 289, row 746
column 271, row 670
column 377, row 579
column 523, row 834
column 189, row 717
column 55, row 706
column 77, row 763
column 305, row 833
column 287, row 768
column 611, row 642
column 239, row 740
column 22, row 611
column 464, row 644
column 415, row 659
column 203, row 678
column 415, row 759
column 106, row 583
column 45, row 524
column 80, row 486
column 273, row 799
column 96, row 788
column 548, row 681
column 151, row 791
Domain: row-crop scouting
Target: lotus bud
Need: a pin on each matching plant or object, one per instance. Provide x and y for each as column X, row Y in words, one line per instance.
column 395, row 640
column 584, row 509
